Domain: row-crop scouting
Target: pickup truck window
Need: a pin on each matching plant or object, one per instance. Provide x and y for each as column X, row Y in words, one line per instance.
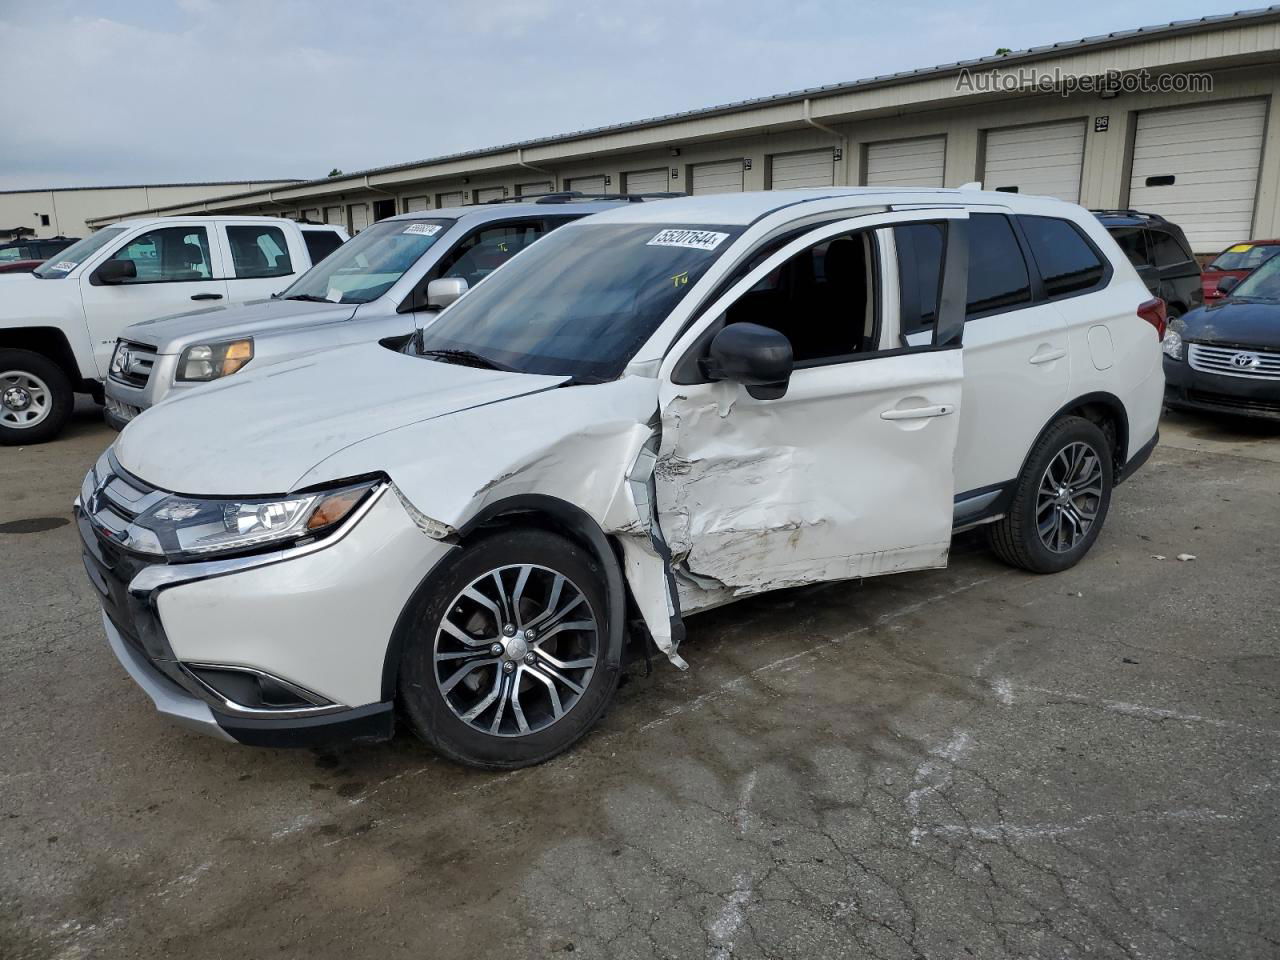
column 366, row 267
column 169, row 255
column 259, row 251
column 321, row 243
column 76, row 254
column 581, row 301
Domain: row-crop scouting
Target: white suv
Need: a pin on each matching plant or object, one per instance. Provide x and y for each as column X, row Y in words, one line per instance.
column 648, row 413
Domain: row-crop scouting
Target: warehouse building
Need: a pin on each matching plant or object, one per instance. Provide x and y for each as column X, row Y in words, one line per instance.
column 1182, row 119
column 64, row 211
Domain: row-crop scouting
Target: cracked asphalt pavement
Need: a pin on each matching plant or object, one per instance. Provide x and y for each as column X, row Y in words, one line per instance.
column 970, row 762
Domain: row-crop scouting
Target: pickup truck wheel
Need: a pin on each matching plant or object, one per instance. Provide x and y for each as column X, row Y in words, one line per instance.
column 35, row 398
column 1060, row 501
column 507, row 658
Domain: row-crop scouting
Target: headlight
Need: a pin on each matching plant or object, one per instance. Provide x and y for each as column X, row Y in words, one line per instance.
column 209, row 361
column 190, row 528
column 1172, row 344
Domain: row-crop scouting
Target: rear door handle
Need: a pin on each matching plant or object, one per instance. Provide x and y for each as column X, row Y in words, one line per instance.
column 1047, row 356
column 919, row 413
column 206, row 296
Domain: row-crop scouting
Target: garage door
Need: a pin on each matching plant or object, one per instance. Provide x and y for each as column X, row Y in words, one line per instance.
column 490, row 193
column 312, row 214
column 359, row 213
column 813, row 168
column 449, row 199
column 717, row 177
column 333, row 216
column 645, row 181
column 413, row 204
column 906, row 163
column 585, row 184
column 525, row 189
column 1044, row 160
column 1198, row 166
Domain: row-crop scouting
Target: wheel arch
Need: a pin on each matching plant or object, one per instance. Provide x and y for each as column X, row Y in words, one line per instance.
column 49, row 342
column 539, row 511
column 1107, row 411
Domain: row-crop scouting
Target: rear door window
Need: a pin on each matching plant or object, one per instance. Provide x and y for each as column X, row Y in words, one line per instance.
column 321, row 243
column 998, row 277
column 1067, row 261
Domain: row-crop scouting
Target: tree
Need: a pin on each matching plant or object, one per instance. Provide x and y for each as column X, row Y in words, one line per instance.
column 335, row 172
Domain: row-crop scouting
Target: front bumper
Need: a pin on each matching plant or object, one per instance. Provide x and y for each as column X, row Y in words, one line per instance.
column 320, row 619
column 1242, row 396
column 159, row 384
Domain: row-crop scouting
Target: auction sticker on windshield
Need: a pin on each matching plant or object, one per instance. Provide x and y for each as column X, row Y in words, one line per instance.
column 424, row 229
column 694, row 239
column 64, row 265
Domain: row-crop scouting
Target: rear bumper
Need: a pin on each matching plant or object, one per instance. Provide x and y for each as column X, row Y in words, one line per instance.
column 1186, row 388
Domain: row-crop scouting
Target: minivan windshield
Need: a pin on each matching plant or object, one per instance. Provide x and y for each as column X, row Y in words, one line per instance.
column 63, row 262
column 581, row 301
column 1262, row 284
column 366, row 267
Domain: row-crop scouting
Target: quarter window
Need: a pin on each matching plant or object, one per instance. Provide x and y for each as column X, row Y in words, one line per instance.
column 1166, row 249
column 998, row 276
column 1133, row 241
column 259, row 251
column 321, row 243
column 1066, row 260
column 170, row 254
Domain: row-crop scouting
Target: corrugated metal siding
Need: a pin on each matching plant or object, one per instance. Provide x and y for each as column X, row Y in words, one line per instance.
column 1044, row 160
column 907, row 163
column 414, row 204
column 723, row 177
column 334, row 217
column 1213, row 152
column 485, row 194
column 524, row 189
column 646, row 181
column 813, row 168
column 454, row 199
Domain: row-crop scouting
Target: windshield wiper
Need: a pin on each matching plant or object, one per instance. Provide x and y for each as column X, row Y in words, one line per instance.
column 464, row 358
column 310, row 298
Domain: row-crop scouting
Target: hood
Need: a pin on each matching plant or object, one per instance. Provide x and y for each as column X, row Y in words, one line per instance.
column 1234, row 322
column 259, row 433
column 173, row 334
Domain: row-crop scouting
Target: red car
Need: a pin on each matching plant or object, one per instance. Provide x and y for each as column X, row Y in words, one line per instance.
column 1235, row 261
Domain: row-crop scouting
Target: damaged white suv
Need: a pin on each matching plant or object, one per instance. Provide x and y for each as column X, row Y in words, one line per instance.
column 648, row 413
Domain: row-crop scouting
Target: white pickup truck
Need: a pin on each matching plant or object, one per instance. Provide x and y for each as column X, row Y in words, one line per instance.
column 58, row 325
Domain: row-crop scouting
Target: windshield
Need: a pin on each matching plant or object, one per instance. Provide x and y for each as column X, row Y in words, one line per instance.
column 1243, row 256
column 366, row 267
column 581, row 301
column 1262, row 284
column 67, row 260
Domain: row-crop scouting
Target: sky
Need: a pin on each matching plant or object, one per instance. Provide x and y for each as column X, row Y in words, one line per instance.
column 144, row 91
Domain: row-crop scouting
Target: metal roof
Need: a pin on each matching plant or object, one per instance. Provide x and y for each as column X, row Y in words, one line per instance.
column 152, row 186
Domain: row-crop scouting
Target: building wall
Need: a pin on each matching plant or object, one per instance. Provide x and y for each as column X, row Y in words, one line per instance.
column 69, row 209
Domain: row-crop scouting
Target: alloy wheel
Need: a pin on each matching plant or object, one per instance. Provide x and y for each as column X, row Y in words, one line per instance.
column 516, row 649
column 1069, row 496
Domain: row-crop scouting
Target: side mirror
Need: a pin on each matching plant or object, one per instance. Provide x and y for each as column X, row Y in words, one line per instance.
column 1226, row 285
column 116, row 271
column 757, row 357
column 442, row 292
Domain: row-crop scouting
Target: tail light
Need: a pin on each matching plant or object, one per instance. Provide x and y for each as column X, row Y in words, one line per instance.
column 1153, row 312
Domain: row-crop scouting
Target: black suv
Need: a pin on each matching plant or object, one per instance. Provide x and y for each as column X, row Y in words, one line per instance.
column 25, row 253
column 1159, row 251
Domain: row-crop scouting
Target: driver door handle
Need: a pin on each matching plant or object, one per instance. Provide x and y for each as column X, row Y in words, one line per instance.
column 206, row 296
column 918, row 413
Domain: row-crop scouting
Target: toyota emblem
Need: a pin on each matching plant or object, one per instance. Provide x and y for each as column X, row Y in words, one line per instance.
column 1246, row 361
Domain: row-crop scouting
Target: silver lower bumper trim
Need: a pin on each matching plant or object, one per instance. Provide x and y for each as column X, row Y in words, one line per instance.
column 170, row 699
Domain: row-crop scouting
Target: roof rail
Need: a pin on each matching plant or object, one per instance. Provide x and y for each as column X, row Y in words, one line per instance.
column 1129, row 213
column 568, row 196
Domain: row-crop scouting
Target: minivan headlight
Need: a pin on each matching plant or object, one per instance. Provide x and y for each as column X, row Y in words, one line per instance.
column 191, row 528
column 210, row 361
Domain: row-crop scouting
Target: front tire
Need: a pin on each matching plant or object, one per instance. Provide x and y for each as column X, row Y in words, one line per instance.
column 1060, row 501
column 507, row 655
column 35, row 398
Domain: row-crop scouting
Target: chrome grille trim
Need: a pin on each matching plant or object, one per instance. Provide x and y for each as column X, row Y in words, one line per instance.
column 1219, row 360
column 138, row 370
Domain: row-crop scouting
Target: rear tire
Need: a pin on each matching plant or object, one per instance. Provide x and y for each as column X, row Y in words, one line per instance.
column 35, row 398
column 556, row 668
column 1060, row 501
